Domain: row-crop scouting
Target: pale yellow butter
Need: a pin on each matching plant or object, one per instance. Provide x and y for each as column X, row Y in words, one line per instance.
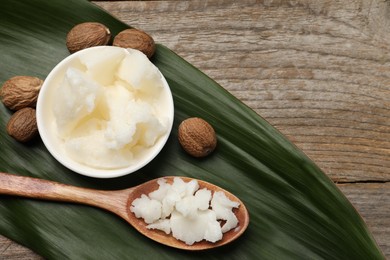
column 109, row 108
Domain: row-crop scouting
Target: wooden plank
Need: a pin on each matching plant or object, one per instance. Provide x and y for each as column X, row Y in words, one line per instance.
column 10, row 250
column 316, row 70
column 372, row 201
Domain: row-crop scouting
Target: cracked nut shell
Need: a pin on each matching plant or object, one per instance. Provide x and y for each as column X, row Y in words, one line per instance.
column 197, row 137
column 22, row 125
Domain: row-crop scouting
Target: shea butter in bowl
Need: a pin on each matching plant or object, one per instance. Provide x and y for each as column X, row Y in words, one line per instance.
column 105, row 111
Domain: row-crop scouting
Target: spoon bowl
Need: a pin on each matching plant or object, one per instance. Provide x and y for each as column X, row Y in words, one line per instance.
column 119, row 202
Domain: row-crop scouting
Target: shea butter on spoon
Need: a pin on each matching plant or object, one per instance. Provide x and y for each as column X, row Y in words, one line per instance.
column 120, row 202
column 105, row 111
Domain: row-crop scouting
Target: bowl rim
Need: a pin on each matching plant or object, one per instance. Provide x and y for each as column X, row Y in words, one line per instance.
column 47, row 137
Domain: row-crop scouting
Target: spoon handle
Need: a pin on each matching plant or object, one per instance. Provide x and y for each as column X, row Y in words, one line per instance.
column 48, row 190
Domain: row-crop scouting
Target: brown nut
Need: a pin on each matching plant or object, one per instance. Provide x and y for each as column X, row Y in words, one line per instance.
column 197, row 137
column 85, row 35
column 135, row 39
column 20, row 91
column 22, row 125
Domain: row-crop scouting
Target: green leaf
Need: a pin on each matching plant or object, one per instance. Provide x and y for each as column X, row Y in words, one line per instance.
column 296, row 211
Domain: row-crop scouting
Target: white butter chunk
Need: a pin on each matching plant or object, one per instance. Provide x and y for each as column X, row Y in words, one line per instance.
column 102, row 68
column 75, row 99
column 91, row 148
column 140, row 74
column 188, row 213
column 107, row 109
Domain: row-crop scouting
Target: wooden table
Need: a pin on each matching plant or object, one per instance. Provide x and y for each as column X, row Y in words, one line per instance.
column 319, row 71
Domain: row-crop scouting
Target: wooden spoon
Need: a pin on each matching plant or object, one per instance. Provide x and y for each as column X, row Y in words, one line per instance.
column 118, row 202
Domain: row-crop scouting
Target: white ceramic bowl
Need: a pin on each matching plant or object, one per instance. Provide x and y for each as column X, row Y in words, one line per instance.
column 54, row 144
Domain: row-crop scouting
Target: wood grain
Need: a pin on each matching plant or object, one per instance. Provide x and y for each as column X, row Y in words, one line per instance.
column 319, row 71
column 319, row 75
